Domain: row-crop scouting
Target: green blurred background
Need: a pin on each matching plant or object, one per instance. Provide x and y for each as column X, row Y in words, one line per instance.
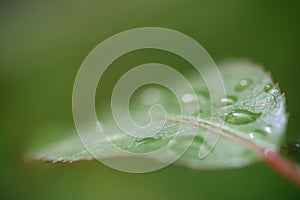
column 42, row 45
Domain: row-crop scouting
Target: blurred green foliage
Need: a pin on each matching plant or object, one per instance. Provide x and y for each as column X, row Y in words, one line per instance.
column 42, row 45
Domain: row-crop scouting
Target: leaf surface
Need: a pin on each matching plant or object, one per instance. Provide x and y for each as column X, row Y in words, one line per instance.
column 253, row 109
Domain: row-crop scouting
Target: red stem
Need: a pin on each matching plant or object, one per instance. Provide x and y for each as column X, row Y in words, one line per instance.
column 271, row 157
column 282, row 165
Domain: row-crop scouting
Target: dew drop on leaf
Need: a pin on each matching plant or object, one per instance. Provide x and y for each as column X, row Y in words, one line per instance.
column 146, row 140
column 251, row 135
column 257, row 133
column 198, row 139
column 241, row 116
column 243, row 84
column 268, row 87
column 227, row 101
column 187, row 98
column 267, row 129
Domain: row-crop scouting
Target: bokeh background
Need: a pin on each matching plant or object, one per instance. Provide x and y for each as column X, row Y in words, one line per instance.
column 42, row 44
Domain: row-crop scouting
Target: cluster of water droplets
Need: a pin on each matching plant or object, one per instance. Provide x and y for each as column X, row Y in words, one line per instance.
column 235, row 116
column 238, row 116
column 153, row 95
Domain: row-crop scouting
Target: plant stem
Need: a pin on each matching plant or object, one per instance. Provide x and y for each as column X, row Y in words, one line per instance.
column 282, row 165
column 270, row 156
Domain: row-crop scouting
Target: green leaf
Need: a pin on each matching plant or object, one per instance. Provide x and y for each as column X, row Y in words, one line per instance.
column 253, row 110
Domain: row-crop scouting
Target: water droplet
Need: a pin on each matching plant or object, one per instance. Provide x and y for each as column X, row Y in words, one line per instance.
column 150, row 96
column 198, row 139
column 146, row 140
column 243, row 84
column 241, row 116
column 267, row 129
column 251, row 135
column 187, row 98
column 268, row 87
column 227, row 101
column 259, row 132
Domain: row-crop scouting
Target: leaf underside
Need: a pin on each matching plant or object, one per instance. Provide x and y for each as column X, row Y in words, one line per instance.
column 253, row 109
